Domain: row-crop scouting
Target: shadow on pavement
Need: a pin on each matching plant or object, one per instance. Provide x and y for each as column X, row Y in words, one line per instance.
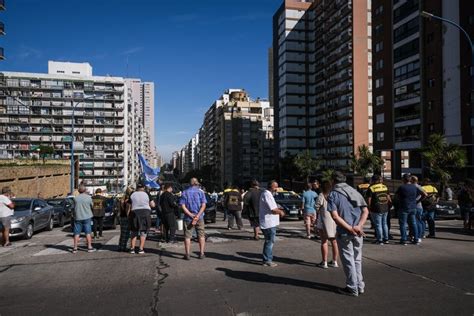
column 277, row 259
column 224, row 257
column 267, row 278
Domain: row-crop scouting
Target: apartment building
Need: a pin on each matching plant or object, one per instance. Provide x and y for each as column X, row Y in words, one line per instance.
column 322, row 88
column 235, row 142
column 2, row 29
column 68, row 106
column 421, row 79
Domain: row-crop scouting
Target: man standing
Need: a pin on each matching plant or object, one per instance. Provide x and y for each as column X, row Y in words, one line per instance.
column 140, row 217
column 168, row 208
column 269, row 215
column 193, row 203
column 6, row 212
column 429, row 206
column 251, row 207
column 82, row 218
column 349, row 211
column 98, row 210
column 233, row 204
column 379, row 203
column 407, row 195
column 308, row 201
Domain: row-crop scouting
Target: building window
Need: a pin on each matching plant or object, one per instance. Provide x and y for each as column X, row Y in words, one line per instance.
column 378, row 30
column 60, row 71
column 430, row 105
column 407, row 50
column 430, row 37
column 378, row 47
column 380, row 136
column 431, row 83
column 380, row 118
column 431, row 126
column 379, row 100
column 378, row 10
column 379, row 64
column 379, row 83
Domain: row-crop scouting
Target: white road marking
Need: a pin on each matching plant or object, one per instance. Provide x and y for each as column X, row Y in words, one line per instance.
column 112, row 242
column 63, row 247
column 15, row 245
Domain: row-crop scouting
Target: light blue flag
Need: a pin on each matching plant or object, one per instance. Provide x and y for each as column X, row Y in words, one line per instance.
column 149, row 173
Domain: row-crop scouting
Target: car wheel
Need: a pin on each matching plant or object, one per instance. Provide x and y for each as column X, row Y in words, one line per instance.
column 29, row 231
column 61, row 220
column 50, row 224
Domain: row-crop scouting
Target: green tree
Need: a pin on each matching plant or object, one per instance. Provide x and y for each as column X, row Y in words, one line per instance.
column 288, row 168
column 45, row 151
column 327, row 175
column 366, row 162
column 306, row 164
column 443, row 158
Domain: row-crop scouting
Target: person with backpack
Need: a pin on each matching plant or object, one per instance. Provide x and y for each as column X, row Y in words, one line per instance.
column 429, row 206
column 379, row 203
column 233, row 204
column 466, row 203
column 98, row 210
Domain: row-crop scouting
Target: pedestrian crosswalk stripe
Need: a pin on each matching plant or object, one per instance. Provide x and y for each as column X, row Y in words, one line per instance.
column 111, row 245
column 14, row 245
column 64, row 246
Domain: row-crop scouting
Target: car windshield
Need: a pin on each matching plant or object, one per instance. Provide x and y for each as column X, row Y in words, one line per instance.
column 55, row 202
column 22, row 205
column 286, row 196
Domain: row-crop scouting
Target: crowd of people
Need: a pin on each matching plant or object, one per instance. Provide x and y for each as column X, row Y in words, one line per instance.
column 333, row 209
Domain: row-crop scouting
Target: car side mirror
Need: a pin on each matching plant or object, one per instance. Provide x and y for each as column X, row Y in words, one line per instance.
column 36, row 209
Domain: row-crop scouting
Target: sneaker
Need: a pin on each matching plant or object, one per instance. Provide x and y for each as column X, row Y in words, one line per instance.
column 322, row 265
column 347, row 291
column 8, row 244
column 377, row 242
column 403, row 243
column 202, row 256
column 132, row 251
column 186, row 257
column 229, row 228
column 309, row 237
column 91, row 250
column 141, row 252
column 270, row 264
column 74, row 250
column 333, row 264
column 361, row 291
column 386, row 242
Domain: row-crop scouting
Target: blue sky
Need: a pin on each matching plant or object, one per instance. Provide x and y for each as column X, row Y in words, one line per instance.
column 192, row 50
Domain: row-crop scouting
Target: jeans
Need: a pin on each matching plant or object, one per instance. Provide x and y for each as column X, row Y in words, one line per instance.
column 269, row 234
column 381, row 228
column 420, row 223
column 350, row 249
column 430, row 218
column 98, row 224
column 82, row 226
column 404, row 217
column 238, row 217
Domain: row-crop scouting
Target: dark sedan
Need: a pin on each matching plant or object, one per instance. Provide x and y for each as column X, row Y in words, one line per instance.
column 447, row 210
column 210, row 212
column 30, row 216
column 290, row 202
column 63, row 210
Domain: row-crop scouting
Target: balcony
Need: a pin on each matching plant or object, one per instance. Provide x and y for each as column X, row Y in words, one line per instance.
column 2, row 28
column 2, row 55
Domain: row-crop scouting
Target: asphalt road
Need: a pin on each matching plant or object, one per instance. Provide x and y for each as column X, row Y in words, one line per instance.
column 41, row 277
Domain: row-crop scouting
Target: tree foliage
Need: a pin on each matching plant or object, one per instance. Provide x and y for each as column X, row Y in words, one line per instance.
column 44, row 151
column 443, row 158
column 288, row 168
column 306, row 164
column 366, row 162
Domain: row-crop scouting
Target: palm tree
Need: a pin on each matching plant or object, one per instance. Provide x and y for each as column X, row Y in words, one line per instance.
column 366, row 162
column 306, row 164
column 327, row 175
column 443, row 158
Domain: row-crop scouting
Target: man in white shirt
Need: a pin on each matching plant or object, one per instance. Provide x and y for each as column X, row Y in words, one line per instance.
column 6, row 212
column 269, row 220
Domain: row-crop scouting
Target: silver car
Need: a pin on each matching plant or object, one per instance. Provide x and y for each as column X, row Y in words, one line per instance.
column 30, row 216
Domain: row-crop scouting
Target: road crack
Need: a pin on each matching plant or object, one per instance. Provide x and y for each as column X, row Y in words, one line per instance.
column 160, row 278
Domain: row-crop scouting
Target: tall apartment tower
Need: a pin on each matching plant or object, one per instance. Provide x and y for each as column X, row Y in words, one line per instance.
column 322, row 79
column 2, row 29
column 40, row 109
column 421, row 79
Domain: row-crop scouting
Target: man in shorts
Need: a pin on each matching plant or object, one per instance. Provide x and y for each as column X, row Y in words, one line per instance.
column 83, row 218
column 6, row 213
column 140, row 217
column 308, row 201
column 252, row 207
column 193, row 203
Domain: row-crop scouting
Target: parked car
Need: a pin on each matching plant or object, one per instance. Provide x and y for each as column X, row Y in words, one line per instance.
column 63, row 210
column 447, row 210
column 290, row 202
column 30, row 216
column 210, row 212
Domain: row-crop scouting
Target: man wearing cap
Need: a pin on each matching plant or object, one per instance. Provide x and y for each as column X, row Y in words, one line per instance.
column 98, row 210
column 349, row 210
column 379, row 203
column 6, row 212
